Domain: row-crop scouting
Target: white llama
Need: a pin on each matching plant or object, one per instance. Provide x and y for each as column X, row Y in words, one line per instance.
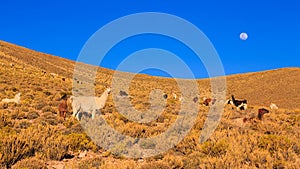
column 16, row 99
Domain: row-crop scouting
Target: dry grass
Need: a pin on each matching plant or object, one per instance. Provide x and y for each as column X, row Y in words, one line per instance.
column 34, row 136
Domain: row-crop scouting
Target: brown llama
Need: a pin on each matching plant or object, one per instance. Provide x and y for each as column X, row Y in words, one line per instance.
column 63, row 107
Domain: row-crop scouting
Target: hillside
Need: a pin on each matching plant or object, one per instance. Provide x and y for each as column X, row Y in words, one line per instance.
column 32, row 133
column 271, row 86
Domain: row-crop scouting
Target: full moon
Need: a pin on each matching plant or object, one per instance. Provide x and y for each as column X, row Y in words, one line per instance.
column 243, row 36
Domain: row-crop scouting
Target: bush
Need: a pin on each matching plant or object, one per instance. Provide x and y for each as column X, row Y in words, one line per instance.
column 156, row 165
column 13, row 149
column 80, row 142
column 56, row 148
column 30, row 163
column 215, row 149
column 32, row 115
column 273, row 143
column 175, row 162
column 91, row 163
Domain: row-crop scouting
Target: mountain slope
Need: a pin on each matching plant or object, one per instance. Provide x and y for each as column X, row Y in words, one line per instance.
column 34, row 136
column 279, row 86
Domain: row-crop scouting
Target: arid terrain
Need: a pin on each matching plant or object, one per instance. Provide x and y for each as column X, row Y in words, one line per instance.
column 33, row 135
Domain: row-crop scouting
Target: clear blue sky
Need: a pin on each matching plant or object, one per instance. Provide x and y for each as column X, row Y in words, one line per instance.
column 61, row 28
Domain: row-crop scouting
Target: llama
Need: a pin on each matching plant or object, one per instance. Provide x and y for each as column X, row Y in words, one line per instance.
column 174, row 96
column 259, row 116
column 261, row 113
column 208, row 101
column 123, row 93
column 251, row 119
column 239, row 104
column 165, row 96
column 16, row 99
column 273, row 106
column 53, row 75
column 195, row 99
column 88, row 104
column 63, row 107
column 229, row 102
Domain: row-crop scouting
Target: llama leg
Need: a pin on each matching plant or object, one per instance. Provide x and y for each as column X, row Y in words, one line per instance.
column 60, row 114
column 77, row 115
column 64, row 115
column 93, row 114
column 76, row 112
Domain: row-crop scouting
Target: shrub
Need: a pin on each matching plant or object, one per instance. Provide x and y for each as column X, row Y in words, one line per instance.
column 215, row 149
column 4, row 121
column 156, row 165
column 80, row 142
column 23, row 124
column 40, row 105
column 13, row 149
column 32, row 115
column 91, row 163
column 30, row 163
column 273, row 143
column 56, row 147
column 175, row 162
column 48, row 109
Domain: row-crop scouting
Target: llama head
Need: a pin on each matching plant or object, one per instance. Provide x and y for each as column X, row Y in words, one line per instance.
column 228, row 101
column 195, row 99
column 17, row 96
column 261, row 113
column 108, row 90
column 64, row 97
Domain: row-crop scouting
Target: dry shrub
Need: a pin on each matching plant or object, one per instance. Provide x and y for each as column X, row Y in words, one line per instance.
column 173, row 161
column 156, row 165
column 91, row 163
column 188, row 144
column 44, row 140
column 80, row 142
column 112, row 164
column 56, row 147
column 24, row 124
column 24, row 109
column 274, row 143
column 30, row 163
column 48, row 108
column 215, row 149
column 49, row 118
column 193, row 160
column 13, row 149
column 32, row 115
column 40, row 105
column 4, row 120
column 76, row 128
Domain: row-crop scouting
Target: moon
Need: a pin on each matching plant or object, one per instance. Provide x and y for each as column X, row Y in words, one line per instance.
column 243, row 36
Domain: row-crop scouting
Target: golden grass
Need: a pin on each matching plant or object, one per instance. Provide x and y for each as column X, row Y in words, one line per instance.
column 32, row 133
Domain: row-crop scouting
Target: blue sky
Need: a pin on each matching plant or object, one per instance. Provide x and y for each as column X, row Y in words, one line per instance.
column 62, row 28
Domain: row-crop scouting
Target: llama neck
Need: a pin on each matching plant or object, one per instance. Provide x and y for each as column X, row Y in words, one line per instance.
column 17, row 97
column 260, row 115
column 104, row 95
